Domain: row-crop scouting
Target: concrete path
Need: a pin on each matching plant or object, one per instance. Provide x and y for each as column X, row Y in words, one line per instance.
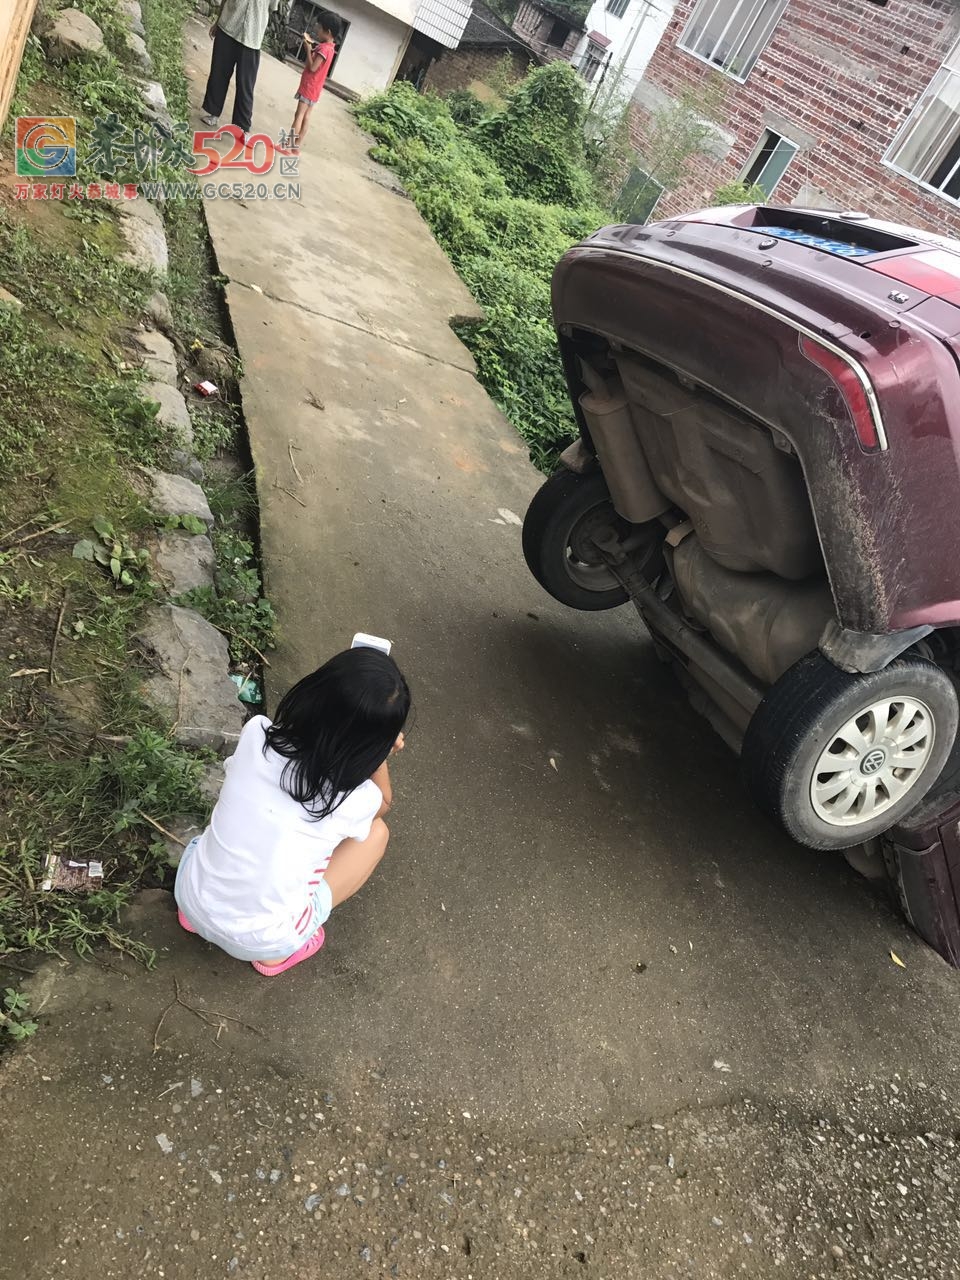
column 586, row 960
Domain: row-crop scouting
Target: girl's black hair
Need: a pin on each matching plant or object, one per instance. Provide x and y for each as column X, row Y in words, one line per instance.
column 337, row 726
column 329, row 21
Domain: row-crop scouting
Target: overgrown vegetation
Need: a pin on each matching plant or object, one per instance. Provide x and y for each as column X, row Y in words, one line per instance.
column 89, row 801
column 214, row 429
column 681, row 129
column 506, row 193
column 573, row 11
column 85, row 764
column 675, row 133
column 81, row 757
column 609, row 148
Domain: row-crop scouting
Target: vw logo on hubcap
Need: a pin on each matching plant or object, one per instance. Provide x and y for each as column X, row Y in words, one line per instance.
column 873, row 761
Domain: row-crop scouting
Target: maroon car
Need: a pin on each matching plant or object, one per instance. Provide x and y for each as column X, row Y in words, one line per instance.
column 769, row 468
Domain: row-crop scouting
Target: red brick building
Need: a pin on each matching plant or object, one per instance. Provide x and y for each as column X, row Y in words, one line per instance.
column 845, row 104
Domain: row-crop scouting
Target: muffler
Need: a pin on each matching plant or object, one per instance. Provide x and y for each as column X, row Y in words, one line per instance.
column 678, row 634
column 625, row 468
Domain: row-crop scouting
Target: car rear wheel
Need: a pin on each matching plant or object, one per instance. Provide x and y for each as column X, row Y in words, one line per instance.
column 557, row 540
column 837, row 759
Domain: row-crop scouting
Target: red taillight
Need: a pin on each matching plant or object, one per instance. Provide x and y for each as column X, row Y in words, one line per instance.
column 850, row 387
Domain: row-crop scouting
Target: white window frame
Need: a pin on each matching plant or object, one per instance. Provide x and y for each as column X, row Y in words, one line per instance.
column 597, row 54
column 949, row 71
column 617, row 8
column 788, row 143
column 747, row 11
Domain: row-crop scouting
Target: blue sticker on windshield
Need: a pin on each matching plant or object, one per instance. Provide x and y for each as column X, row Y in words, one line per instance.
column 838, row 247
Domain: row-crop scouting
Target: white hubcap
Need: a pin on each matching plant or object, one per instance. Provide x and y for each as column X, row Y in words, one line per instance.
column 873, row 761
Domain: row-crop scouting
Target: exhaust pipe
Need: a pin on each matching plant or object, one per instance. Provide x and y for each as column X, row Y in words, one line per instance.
column 679, row 634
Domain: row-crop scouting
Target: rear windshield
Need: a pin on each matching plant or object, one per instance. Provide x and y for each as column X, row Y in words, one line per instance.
column 848, row 237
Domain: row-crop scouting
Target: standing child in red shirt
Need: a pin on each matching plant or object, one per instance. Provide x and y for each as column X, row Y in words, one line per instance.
column 320, row 54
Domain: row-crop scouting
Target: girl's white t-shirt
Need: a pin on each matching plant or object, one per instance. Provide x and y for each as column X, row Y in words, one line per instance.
column 254, row 869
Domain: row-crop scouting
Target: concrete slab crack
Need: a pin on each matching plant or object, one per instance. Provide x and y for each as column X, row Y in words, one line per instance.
column 371, row 331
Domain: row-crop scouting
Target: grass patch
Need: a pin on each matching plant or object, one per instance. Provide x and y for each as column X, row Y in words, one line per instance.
column 236, row 607
column 82, row 758
column 164, row 21
column 215, row 428
column 70, row 413
column 194, row 288
column 234, row 499
column 83, row 803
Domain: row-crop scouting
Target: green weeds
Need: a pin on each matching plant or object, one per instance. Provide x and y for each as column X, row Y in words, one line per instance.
column 236, row 607
column 84, row 763
column 14, row 1021
column 113, row 551
column 193, row 286
column 233, row 499
column 189, row 523
column 214, row 429
column 82, row 801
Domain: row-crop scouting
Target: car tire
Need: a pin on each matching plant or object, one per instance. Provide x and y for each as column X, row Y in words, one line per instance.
column 819, row 755
column 561, row 508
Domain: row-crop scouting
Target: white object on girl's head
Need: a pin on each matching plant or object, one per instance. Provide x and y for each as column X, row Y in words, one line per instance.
column 362, row 641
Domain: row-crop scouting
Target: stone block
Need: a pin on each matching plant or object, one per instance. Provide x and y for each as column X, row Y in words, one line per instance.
column 173, row 414
column 211, row 782
column 159, row 356
column 134, row 15
column 154, row 97
column 158, row 312
column 185, row 560
column 73, row 35
column 187, row 660
column 182, row 463
column 182, row 829
column 142, row 228
column 138, row 51
column 172, row 495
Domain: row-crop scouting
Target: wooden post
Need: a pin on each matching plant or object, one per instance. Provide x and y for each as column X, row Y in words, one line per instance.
column 15, row 19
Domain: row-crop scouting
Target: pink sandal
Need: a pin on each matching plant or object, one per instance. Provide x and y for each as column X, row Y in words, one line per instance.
column 184, row 922
column 308, row 949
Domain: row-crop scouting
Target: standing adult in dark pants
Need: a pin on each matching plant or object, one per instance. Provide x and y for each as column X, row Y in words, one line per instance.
column 237, row 35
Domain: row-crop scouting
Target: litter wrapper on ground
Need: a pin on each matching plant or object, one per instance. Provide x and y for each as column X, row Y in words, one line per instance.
column 60, row 872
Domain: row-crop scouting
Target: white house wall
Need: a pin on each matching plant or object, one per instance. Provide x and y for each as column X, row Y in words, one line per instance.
column 633, row 40
column 373, row 47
